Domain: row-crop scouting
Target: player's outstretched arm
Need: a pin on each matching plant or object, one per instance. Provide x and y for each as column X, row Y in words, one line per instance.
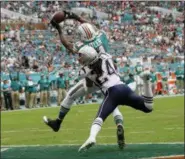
column 71, row 15
column 63, row 40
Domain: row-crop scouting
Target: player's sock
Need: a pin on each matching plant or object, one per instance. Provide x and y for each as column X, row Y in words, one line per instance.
column 96, row 127
column 118, row 118
column 148, row 95
column 62, row 113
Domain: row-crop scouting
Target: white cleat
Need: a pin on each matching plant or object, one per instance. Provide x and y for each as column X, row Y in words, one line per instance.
column 45, row 119
column 88, row 144
column 145, row 76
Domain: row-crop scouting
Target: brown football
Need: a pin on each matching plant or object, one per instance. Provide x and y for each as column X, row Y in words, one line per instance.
column 59, row 17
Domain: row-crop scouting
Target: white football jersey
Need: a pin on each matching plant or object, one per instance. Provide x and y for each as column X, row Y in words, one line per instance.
column 109, row 76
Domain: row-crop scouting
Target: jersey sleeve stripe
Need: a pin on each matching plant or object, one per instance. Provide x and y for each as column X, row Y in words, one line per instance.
column 88, row 33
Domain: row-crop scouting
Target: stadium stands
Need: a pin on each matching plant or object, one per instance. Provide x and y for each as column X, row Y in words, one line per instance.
column 134, row 30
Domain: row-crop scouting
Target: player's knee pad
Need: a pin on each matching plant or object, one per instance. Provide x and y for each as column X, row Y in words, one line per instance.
column 67, row 102
column 75, row 92
column 98, row 121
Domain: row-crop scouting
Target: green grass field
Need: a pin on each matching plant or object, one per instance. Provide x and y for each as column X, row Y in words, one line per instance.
column 164, row 124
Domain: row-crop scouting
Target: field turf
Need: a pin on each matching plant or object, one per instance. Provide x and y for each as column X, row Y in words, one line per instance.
column 164, row 127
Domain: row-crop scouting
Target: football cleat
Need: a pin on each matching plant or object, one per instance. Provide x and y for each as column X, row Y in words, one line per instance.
column 145, row 76
column 120, row 137
column 54, row 124
column 88, row 144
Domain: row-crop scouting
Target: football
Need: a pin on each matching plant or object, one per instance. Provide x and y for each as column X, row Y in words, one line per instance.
column 59, row 17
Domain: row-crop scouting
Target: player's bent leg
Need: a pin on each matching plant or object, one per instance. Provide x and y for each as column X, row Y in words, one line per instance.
column 95, row 128
column 75, row 92
column 107, row 107
column 148, row 93
column 118, row 118
column 144, row 102
column 138, row 102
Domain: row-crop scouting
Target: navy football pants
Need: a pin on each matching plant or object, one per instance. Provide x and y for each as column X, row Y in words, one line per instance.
column 121, row 95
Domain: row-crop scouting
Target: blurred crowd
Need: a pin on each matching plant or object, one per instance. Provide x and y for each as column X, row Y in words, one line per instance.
column 135, row 32
column 20, row 90
column 118, row 10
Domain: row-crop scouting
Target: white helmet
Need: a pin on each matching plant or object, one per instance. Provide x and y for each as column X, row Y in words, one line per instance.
column 87, row 32
column 88, row 55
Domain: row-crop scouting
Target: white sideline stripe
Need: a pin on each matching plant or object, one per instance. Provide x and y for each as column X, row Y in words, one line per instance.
column 109, row 128
column 4, row 149
column 5, row 138
column 72, row 141
column 38, row 129
column 179, row 128
column 92, row 110
column 163, row 156
column 106, row 137
column 106, row 144
column 68, row 130
column 141, row 132
column 13, row 131
column 171, row 96
column 47, row 130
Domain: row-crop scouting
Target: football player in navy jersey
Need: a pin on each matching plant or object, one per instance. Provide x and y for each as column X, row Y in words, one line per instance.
column 101, row 71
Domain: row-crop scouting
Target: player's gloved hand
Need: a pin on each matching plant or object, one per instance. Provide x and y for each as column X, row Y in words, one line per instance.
column 71, row 15
column 54, row 24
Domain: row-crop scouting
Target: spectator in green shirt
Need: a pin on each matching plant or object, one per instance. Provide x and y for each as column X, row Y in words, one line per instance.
column 153, row 80
column 128, row 79
column 32, row 90
column 26, row 92
column 61, row 85
column 16, row 88
column 6, row 89
column 45, row 85
column 165, row 77
column 2, row 103
column 43, row 94
column 180, row 79
column 48, row 88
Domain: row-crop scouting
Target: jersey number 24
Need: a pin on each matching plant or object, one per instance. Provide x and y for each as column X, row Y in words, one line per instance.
column 101, row 79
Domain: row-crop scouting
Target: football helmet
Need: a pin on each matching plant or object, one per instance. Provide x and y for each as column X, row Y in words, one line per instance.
column 87, row 55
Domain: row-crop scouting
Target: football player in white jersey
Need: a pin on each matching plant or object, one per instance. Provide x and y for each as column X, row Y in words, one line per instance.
column 101, row 70
column 97, row 39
